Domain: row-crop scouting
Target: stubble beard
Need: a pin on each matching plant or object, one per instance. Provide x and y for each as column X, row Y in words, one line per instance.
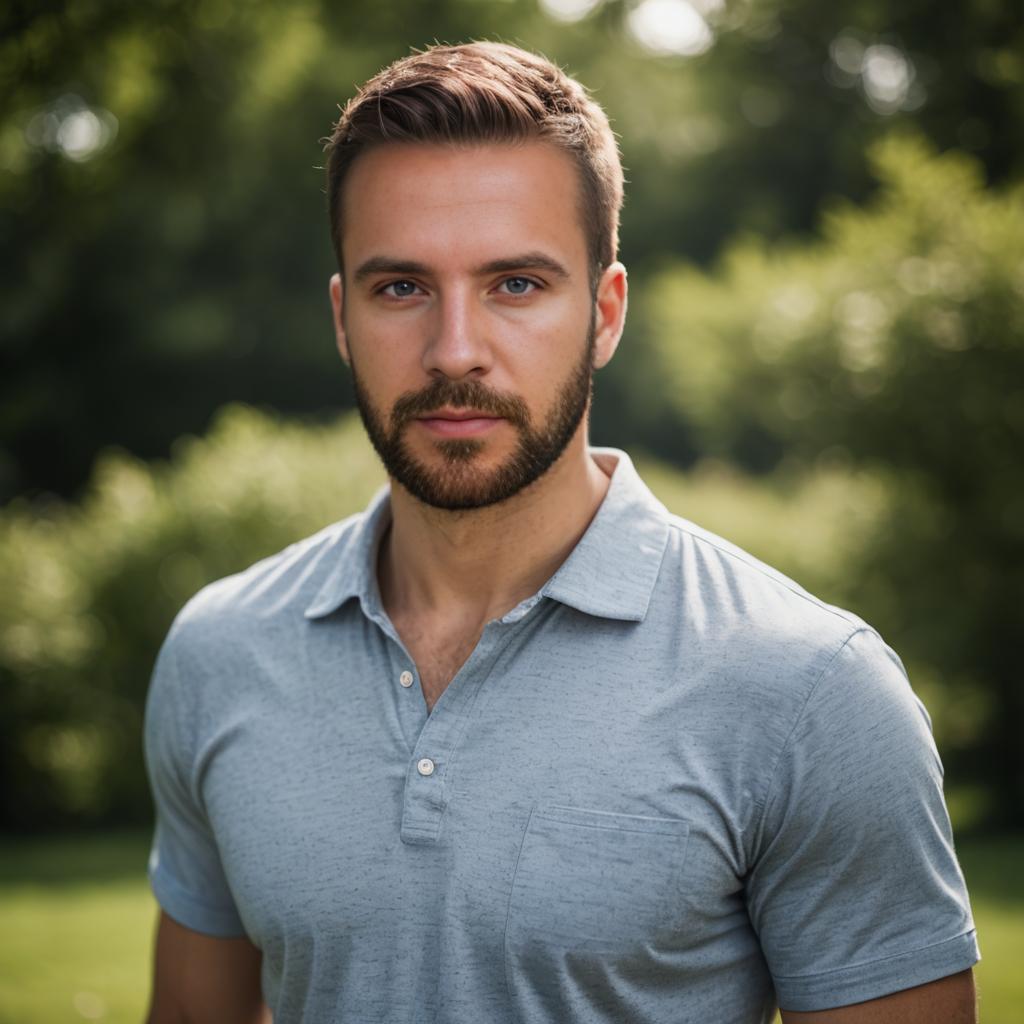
column 457, row 482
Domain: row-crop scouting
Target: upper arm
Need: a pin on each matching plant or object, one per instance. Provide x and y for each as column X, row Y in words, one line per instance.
column 855, row 890
column 198, row 979
column 949, row 1000
column 185, row 869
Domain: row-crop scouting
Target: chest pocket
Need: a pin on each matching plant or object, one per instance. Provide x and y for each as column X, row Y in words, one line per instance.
column 589, row 883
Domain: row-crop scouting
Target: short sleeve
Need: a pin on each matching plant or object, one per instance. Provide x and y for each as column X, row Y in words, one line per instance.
column 185, row 869
column 855, row 891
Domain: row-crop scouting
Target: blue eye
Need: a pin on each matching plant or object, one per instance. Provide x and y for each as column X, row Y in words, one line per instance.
column 400, row 289
column 518, row 285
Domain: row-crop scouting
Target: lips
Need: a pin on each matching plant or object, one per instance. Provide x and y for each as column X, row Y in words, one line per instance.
column 459, row 422
column 459, row 415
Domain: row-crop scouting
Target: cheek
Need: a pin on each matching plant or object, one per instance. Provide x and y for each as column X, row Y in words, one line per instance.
column 555, row 317
column 387, row 361
column 546, row 342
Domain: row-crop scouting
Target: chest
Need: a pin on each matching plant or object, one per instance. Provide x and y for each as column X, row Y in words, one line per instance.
column 557, row 804
column 362, row 792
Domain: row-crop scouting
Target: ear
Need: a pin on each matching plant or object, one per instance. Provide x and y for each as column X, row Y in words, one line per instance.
column 610, row 313
column 340, row 337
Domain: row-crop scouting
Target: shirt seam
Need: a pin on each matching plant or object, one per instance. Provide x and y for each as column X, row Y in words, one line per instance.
column 506, row 955
column 544, row 816
column 183, row 739
column 880, row 960
column 763, row 810
column 751, row 563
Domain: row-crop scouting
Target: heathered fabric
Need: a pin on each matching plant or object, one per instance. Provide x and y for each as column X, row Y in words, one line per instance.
column 671, row 786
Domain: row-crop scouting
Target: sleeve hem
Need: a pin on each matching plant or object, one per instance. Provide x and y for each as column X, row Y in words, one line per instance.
column 877, row 978
column 218, row 922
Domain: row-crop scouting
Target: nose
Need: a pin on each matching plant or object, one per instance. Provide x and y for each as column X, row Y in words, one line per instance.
column 458, row 346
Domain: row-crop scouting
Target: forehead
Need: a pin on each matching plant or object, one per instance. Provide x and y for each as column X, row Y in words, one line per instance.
column 450, row 205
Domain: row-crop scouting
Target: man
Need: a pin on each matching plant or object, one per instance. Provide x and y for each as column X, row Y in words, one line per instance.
column 515, row 744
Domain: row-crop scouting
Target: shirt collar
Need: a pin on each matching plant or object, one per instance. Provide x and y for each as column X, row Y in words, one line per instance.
column 354, row 569
column 610, row 573
column 612, row 570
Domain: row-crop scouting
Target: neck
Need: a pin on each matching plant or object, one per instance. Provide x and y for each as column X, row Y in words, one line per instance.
column 479, row 564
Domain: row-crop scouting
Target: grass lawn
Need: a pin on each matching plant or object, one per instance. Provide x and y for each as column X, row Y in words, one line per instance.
column 77, row 921
column 77, row 924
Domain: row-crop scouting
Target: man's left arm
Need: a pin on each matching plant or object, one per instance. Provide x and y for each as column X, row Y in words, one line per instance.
column 949, row 1000
column 854, row 891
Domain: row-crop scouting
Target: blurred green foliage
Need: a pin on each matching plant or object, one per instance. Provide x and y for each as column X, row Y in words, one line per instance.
column 88, row 591
column 895, row 343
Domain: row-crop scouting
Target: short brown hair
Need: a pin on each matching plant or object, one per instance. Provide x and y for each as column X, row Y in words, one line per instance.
column 485, row 92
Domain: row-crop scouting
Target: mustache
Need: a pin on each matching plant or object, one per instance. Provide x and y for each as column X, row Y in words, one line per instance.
column 458, row 394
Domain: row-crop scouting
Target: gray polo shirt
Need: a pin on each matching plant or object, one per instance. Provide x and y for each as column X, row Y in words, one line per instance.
column 671, row 786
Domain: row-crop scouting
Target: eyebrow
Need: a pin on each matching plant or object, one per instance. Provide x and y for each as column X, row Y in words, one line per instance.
column 524, row 261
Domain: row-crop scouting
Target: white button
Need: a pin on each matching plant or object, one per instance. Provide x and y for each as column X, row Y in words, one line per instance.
column 406, row 678
column 425, row 766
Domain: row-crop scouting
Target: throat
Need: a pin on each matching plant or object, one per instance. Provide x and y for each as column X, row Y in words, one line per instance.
column 439, row 652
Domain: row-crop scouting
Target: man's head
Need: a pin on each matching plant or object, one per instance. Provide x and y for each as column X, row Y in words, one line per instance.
column 474, row 195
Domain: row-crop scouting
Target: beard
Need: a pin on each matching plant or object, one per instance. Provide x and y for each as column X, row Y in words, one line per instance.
column 457, row 481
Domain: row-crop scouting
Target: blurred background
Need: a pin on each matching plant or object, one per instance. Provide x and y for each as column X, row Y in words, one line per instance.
column 824, row 362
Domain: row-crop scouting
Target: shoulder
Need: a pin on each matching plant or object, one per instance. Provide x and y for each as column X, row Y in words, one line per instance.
column 762, row 643
column 747, row 604
column 271, row 592
column 212, row 652
column 719, row 563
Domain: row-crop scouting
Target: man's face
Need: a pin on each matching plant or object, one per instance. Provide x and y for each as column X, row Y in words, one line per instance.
column 467, row 316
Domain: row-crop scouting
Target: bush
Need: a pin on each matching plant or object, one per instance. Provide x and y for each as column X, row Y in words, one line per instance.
column 87, row 593
column 895, row 343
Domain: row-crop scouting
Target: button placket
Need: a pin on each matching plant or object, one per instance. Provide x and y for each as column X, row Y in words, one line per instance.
column 427, row 783
column 401, row 681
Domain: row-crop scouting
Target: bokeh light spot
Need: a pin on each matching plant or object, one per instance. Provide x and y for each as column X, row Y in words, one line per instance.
column 569, row 10
column 70, row 127
column 670, row 28
column 89, row 1005
column 886, row 74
